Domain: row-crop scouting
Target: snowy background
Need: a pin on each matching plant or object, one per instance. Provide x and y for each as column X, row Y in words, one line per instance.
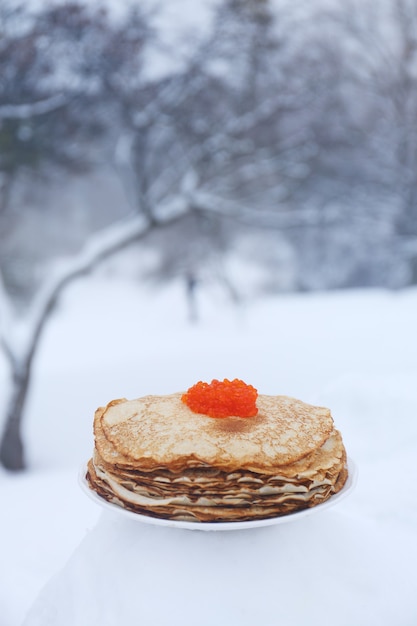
column 262, row 158
column 352, row 351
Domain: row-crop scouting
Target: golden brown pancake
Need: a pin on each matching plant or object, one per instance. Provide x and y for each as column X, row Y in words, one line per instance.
column 162, row 430
column 155, row 456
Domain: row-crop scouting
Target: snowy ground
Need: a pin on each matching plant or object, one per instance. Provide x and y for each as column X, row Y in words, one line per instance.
column 355, row 352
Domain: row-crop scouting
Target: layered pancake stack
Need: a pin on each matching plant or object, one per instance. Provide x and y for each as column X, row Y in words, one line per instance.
column 157, row 457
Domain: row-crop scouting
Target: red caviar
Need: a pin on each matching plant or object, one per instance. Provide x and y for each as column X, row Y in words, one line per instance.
column 222, row 398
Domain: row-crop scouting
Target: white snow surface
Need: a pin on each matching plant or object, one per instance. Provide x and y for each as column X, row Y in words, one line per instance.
column 64, row 562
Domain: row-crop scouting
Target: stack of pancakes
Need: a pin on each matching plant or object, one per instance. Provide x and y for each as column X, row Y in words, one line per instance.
column 158, row 458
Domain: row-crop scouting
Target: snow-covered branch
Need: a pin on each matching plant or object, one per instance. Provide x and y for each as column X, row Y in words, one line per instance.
column 31, row 109
column 99, row 247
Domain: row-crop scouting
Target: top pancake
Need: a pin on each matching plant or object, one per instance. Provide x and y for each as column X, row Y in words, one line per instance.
column 161, row 431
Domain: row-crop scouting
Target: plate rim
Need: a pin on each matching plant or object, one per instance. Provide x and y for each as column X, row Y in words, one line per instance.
column 347, row 488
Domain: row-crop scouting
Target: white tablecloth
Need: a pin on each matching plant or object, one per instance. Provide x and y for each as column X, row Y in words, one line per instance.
column 334, row 567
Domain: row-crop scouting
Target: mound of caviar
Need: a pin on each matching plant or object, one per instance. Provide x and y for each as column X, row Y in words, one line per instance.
column 222, row 398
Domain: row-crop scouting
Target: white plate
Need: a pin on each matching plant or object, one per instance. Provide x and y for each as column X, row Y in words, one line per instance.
column 282, row 519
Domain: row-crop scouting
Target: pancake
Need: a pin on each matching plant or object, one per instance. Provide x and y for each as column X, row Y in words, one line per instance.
column 157, row 457
column 162, row 430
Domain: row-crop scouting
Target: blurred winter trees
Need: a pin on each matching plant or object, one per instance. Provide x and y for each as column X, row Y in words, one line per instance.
column 298, row 119
column 281, row 132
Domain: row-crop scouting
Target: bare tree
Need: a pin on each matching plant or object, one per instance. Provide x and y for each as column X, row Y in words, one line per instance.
column 160, row 200
column 269, row 123
column 230, row 127
column 20, row 339
column 51, row 116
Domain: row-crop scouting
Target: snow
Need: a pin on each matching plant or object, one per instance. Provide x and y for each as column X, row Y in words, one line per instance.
column 65, row 562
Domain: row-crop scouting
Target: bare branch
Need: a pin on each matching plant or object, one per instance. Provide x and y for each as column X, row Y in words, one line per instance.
column 208, row 202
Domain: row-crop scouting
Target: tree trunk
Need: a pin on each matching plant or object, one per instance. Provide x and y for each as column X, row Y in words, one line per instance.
column 191, row 292
column 11, row 446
